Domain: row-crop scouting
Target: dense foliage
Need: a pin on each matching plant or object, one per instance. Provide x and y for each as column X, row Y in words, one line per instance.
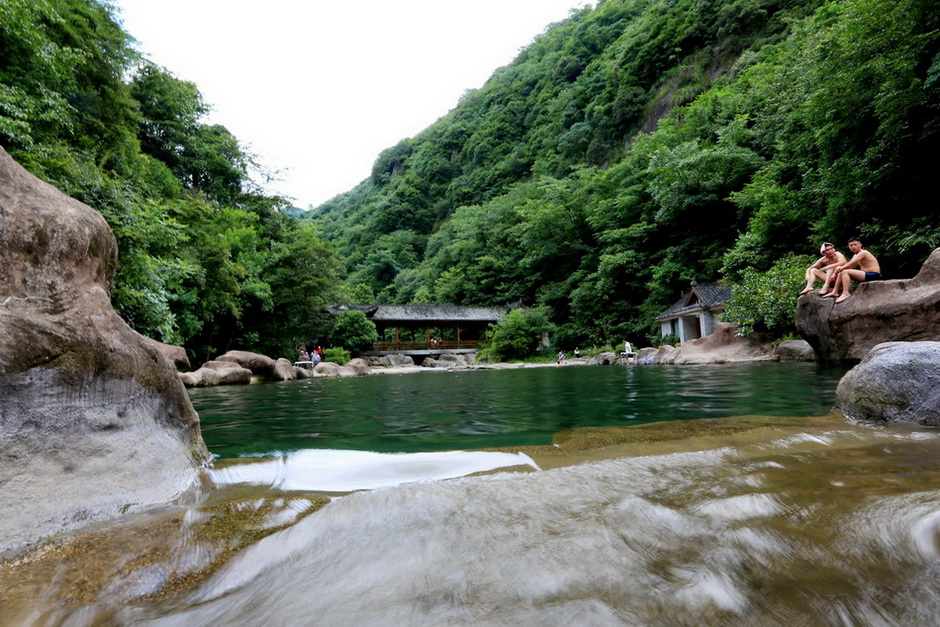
column 642, row 144
column 519, row 334
column 354, row 332
column 205, row 258
column 628, row 150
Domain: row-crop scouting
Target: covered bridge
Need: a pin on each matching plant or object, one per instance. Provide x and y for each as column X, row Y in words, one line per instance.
column 428, row 329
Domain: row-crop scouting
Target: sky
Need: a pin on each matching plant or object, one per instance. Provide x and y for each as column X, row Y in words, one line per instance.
column 315, row 89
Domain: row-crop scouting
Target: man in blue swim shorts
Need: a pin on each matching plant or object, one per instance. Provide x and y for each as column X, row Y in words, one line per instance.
column 869, row 270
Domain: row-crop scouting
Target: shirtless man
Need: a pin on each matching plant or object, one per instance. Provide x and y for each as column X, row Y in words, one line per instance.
column 823, row 268
column 869, row 270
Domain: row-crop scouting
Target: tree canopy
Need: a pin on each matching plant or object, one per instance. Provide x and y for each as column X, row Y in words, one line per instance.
column 643, row 144
column 628, row 150
column 205, row 259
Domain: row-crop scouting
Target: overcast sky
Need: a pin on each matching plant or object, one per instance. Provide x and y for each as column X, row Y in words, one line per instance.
column 318, row 89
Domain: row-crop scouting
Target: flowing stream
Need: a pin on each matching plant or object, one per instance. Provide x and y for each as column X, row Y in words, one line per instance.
column 638, row 496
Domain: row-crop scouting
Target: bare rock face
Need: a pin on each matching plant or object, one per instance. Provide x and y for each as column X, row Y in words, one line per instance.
column 905, row 310
column 646, row 356
column 608, row 358
column 94, row 420
column 722, row 346
column 176, row 354
column 261, row 366
column 895, row 382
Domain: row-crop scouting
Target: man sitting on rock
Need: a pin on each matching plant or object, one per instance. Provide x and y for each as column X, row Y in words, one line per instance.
column 869, row 270
column 823, row 268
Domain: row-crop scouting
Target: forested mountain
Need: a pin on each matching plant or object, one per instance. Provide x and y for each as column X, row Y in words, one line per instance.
column 642, row 144
column 628, row 150
column 205, row 258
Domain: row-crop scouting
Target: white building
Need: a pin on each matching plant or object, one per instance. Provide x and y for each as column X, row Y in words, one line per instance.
column 696, row 313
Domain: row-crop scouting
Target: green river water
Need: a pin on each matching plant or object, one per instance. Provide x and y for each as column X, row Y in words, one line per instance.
column 695, row 495
column 437, row 411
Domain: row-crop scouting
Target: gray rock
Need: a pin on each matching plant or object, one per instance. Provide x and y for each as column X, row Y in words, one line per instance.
column 905, row 310
column 94, row 420
column 603, row 359
column 176, row 354
column 794, row 350
column 395, row 360
column 722, row 346
column 261, row 366
column 666, row 355
column 646, row 356
column 216, row 373
column 355, row 368
column 895, row 382
column 283, row 370
column 327, row 369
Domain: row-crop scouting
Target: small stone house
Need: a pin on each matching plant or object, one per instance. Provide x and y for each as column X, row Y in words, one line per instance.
column 696, row 313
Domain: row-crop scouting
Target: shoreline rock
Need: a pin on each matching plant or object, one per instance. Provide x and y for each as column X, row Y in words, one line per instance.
column 94, row 420
column 895, row 382
column 905, row 310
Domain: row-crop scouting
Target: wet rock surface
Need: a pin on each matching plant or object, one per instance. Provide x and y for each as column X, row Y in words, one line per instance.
column 94, row 420
column 895, row 382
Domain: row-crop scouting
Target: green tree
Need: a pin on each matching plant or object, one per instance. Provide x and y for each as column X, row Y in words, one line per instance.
column 354, row 332
column 765, row 301
column 519, row 334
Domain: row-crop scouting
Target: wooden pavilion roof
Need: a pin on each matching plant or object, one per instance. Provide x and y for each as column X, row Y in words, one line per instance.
column 390, row 315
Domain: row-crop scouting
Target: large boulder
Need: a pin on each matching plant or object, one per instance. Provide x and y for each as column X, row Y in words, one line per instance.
column 284, row 370
column 895, row 382
column 608, row 358
column 646, row 356
column 881, row 311
column 722, row 346
column 217, row 372
column 261, row 366
column 94, row 420
column 795, row 350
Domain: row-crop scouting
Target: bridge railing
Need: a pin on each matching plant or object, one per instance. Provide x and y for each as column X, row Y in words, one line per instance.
column 424, row 345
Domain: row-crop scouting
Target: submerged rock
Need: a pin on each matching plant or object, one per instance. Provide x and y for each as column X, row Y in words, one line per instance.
column 94, row 420
column 882, row 311
column 895, row 382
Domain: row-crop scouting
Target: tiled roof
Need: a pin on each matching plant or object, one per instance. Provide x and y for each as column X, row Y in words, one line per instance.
column 704, row 296
column 427, row 313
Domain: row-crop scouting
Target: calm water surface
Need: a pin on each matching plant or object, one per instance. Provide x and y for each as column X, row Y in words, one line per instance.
column 437, row 411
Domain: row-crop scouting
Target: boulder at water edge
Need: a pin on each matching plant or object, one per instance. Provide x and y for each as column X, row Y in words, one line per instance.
column 905, row 310
column 895, row 382
column 94, row 420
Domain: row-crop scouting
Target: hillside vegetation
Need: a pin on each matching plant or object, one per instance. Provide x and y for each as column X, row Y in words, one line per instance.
column 643, row 144
column 628, row 150
column 205, row 258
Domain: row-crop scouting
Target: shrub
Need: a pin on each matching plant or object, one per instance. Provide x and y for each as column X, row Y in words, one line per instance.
column 519, row 334
column 766, row 301
column 337, row 355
